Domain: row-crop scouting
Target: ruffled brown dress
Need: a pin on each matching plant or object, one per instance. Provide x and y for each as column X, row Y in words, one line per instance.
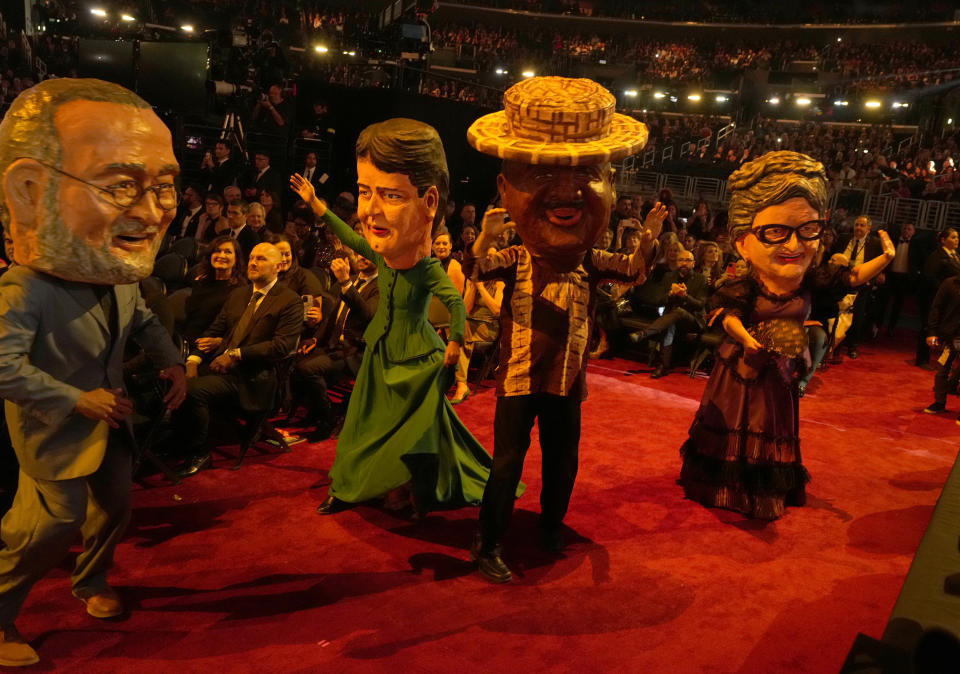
column 743, row 451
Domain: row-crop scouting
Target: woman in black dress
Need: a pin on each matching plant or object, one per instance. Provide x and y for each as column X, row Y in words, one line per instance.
column 221, row 269
column 743, row 452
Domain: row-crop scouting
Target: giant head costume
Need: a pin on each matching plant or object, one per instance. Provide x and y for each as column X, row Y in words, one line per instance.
column 777, row 205
column 557, row 137
column 402, row 181
column 86, row 181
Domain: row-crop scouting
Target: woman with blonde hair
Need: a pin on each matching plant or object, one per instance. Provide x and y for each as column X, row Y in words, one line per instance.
column 743, row 452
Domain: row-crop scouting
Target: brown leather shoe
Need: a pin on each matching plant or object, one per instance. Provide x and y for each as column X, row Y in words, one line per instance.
column 14, row 650
column 105, row 604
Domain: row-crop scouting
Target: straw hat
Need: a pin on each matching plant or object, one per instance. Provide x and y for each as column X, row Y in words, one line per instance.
column 558, row 121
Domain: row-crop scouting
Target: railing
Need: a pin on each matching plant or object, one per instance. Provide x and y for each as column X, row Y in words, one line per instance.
column 634, row 177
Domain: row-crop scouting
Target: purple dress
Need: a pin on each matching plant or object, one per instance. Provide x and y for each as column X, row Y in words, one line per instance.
column 743, row 452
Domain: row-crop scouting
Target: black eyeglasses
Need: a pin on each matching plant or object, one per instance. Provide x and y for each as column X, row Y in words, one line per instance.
column 774, row 234
column 128, row 193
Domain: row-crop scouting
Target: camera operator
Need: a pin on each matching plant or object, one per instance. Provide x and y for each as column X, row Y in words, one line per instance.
column 272, row 112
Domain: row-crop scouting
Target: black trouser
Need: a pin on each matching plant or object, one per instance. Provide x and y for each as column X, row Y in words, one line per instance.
column 940, row 382
column 311, row 374
column 862, row 317
column 925, row 294
column 559, row 423
column 203, row 393
column 894, row 290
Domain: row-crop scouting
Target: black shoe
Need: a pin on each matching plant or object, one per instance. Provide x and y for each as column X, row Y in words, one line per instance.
column 194, row 465
column 331, row 505
column 661, row 371
column 322, row 431
column 551, row 540
column 935, row 408
column 853, row 353
column 489, row 563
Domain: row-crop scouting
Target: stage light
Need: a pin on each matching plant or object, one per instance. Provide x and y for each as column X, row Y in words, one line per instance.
column 872, row 104
column 840, row 103
column 186, row 28
column 773, row 101
column 351, row 53
column 898, row 104
column 722, row 99
column 500, row 71
column 950, row 121
column 320, row 49
column 632, row 93
column 659, row 94
column 126, row 17
column 839, row 39
column 803, row 102
column 602, row 62
column 528, row 73
column 673, row 99
column 98, row 12
column 693, row 97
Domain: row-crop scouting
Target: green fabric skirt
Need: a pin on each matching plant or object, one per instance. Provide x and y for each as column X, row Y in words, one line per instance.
column 401, row 428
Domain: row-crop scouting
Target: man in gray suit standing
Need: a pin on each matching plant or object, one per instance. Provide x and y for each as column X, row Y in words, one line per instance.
column 86, row 190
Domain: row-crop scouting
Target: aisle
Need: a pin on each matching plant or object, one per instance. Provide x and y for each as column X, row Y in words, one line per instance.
column 234, row 571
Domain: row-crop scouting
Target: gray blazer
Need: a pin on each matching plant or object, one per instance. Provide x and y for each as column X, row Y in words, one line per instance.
column 54, row 345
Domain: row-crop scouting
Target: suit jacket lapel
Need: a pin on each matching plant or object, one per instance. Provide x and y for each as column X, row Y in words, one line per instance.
column 84, row 296
column 261, row 311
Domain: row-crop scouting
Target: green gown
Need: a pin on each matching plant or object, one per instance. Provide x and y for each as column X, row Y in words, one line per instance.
column 400, row 427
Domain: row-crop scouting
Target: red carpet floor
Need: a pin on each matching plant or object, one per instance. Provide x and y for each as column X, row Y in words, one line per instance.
column 234, row 571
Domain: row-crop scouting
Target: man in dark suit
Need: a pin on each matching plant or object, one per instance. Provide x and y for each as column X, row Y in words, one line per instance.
column 944, row 326
column 857, row 247
column 940, row 264
column 258, row 326
column 237, row 219
column 682, row 293
column 220, row 169
column 67, row 310
column 903, row 274
column 263, row 177
column 336, row 348
column 188, row 214
column 311, row 172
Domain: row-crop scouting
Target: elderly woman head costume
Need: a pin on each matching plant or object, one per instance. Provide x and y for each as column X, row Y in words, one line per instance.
column 743, row 452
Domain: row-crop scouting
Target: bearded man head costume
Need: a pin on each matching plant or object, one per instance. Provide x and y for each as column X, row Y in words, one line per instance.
column 72, row 191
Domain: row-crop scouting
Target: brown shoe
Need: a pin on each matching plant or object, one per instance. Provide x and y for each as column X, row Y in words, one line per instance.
column 14, row 650
column 105, row 604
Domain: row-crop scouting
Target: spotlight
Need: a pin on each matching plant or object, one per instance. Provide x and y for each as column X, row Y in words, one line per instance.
column 773, row 101
column 897, row 104
column 722, row 99
column 96, row 11
column 186, row 28
column 659, row 94
column 803, row 102
column 502, row 71
column 872, row 104
column 632, row 93
column 528, row 73
column 841, row 103
column 693, row 97
column 351, row 53
column 126, row 17
column 320, row 49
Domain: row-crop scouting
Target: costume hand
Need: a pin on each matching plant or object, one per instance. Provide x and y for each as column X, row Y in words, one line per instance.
column 341, row 269
column 176, row 375
column 193, row 369
column 307, row 345
column 653, row 223
column 105, row 405
column 302, row 187
column 314, row 315
column 933, row 341
column 206, row 344
column 222, row 364
column 494, row 223
column 750, row 344
column 452, row 354
column 888, row 248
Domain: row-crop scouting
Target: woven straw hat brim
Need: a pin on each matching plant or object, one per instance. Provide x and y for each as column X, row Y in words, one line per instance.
column 490, row 135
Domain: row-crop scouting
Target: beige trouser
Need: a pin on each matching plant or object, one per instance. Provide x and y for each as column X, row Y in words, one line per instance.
column 45, row 519
column 475, row 331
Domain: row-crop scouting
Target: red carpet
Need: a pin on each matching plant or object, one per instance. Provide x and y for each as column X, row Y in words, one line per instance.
column 234, row 571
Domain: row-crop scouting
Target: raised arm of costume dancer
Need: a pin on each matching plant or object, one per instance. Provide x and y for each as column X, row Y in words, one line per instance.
column 350, row 238
column 866, row 271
